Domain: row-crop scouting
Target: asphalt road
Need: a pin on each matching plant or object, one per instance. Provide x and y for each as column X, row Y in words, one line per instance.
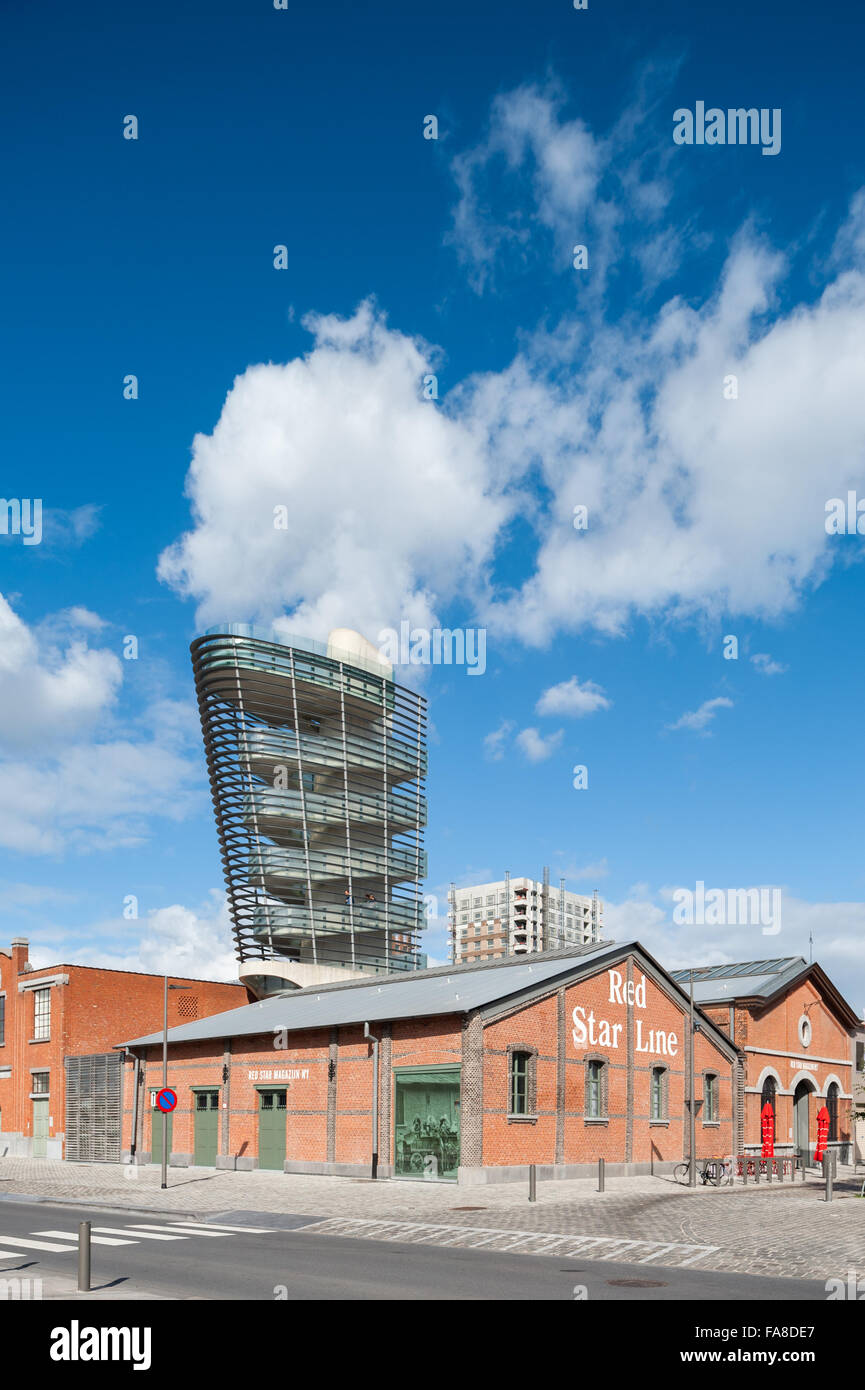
column 283, row 1264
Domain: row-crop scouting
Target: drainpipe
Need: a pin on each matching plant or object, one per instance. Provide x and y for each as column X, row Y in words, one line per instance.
column 374, row 1041
column 135, row 1077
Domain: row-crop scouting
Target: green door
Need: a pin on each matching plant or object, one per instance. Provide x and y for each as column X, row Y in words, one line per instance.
column 206, row 1129
column 271, row 1129
column 157, row 1119
column 40, row 1128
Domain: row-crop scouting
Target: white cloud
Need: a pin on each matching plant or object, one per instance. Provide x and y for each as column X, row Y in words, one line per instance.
column 535, row 746
column 391, row 508
column 398, row 506
column 52, row 684
column 766, row 666
column 698, row 719
column 71, row 774
column 561, row 159
column 838, row 931
column 174, row 940
column 572, row 698
column 494, row 743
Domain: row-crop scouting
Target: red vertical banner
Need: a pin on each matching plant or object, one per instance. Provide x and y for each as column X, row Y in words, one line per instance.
column 822, row 1133
column 767, row 1128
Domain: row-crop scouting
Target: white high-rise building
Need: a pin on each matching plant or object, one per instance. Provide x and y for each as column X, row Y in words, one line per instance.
column 517, row 916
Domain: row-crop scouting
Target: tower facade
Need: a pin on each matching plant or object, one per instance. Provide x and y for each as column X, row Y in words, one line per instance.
column 317, row 761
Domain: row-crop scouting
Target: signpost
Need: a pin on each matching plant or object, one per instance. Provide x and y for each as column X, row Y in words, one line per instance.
column 165, row 1092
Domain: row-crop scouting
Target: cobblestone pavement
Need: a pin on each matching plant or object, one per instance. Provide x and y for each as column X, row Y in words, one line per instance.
column 787, row 1231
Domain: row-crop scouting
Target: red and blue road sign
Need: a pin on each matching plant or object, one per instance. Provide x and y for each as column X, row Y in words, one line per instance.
column 166, row 1100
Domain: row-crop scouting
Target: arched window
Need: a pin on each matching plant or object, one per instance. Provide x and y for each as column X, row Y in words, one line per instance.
column 767, row 1095
column 832, row 1107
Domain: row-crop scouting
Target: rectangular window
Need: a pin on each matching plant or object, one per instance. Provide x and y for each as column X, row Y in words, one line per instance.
column 657, row 1110
column 860, row 1055
column 39, row 1083
column 519, row 1101
column 710, row 1099
column 41, row 1013
column 594, row 1097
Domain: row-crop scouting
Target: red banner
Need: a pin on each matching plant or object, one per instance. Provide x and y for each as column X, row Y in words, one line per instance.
column 822, row 1133
column 767, row 1128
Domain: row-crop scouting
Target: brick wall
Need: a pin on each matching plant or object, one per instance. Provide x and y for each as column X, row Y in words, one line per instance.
column 91, row 1011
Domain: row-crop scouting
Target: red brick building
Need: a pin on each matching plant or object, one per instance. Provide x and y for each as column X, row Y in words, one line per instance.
column 60, row 1074
column 472, row 1071
column 794, row 1030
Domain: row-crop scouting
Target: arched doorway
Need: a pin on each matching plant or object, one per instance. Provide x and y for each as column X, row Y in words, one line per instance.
column 801, row 1120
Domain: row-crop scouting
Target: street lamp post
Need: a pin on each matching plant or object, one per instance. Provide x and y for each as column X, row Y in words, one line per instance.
column 165, row 1075
column 692, row 1119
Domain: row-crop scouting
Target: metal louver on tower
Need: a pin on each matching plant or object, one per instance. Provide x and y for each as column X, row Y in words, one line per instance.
column 317, row 760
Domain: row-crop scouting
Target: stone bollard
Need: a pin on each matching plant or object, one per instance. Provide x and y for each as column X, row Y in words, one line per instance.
column 601, row 1174
column 827, row 1175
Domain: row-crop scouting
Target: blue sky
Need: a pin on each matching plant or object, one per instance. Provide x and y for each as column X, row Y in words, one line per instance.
column 556, row 387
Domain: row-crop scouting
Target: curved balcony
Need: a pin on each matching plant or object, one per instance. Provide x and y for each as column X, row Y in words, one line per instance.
column 274, row 810
column 272, row 864
column 285, row 923
column 266, row 749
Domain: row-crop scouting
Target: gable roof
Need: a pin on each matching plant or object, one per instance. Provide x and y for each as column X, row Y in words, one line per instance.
column 439, row 990
column 761, row 981
column 448, row 989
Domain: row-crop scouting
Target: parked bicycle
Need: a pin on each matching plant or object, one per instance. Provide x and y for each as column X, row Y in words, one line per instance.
column 715, row 1172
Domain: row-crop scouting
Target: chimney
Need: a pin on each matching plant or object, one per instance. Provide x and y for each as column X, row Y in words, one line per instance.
column 20, row 955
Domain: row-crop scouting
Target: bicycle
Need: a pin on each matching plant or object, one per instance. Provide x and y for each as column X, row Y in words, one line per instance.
column 715, row 1172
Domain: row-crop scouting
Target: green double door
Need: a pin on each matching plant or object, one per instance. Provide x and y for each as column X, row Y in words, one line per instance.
column 206, row 1129
column 271, row 1129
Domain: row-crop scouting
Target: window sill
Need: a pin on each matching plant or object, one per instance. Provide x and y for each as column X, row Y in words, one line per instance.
column 659, row 1124
column 596, row 1120
column 711, row 1124
column 39, row 1040
column 522, row 1119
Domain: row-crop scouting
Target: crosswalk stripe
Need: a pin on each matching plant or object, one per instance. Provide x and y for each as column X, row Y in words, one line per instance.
column 139, row 1234
column 655, row 1253
column 165, row 1232
column 195, row 1231
column 73, row 1236
column 536, row 1243
column 11, row 1255
column 215, row 1226
column 38, row 1245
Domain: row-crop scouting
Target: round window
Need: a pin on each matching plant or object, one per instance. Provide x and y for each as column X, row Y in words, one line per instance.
column 804, row 1031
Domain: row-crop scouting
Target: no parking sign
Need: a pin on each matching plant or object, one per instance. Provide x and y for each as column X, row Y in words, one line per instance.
column 166, row 1100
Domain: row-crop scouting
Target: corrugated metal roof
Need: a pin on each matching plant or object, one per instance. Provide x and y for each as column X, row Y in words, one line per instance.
column 441, row 990
column 746, row 979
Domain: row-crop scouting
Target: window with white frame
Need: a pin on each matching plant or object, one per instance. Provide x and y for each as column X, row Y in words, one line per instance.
column 41, row 1014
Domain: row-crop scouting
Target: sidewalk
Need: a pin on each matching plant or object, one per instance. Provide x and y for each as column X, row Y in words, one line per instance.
column 786, row 1229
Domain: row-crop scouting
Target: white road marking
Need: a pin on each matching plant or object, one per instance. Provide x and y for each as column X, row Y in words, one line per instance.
column 483, row 1237
column 73, row 1236
column 39, row 1245
column 215, row 1226
column 139, row 1234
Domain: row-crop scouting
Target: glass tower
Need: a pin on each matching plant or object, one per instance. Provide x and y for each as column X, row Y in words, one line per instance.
column 317, row 760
